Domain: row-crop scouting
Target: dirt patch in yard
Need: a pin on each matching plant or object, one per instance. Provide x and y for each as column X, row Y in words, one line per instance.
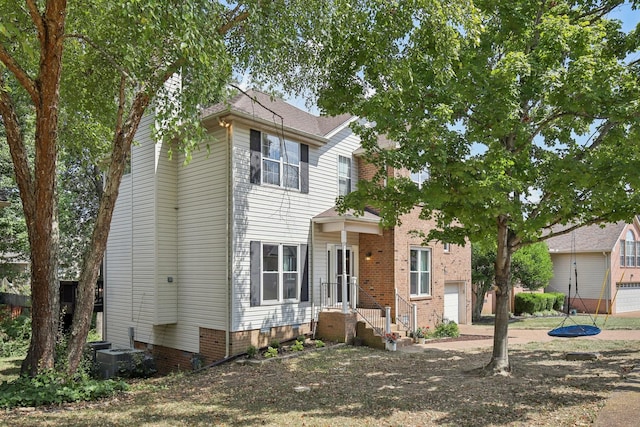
column 359, row 386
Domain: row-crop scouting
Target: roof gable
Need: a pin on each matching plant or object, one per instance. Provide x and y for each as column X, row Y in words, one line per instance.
column 264, row 107
column 591, row 238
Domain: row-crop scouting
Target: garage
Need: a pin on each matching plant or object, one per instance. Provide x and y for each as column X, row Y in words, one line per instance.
column 452, row 302
column 628, row 297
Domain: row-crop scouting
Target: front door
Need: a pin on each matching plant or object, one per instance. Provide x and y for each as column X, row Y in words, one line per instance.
column 336, row 265
column 339, row 271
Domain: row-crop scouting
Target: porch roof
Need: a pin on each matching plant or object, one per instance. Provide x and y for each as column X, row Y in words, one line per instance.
column 331, row 221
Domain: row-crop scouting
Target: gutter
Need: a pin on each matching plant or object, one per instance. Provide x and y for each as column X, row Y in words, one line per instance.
column 251, row 120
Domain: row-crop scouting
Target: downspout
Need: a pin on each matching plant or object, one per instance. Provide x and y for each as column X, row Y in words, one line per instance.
column 311, row 279
column 229, row 242
column 607, row 266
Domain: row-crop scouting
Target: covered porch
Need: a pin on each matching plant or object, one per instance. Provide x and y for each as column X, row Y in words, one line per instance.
column 380, row 308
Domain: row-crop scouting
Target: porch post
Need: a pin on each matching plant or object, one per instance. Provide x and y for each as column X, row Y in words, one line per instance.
column 354, row 291
column 414, row 316
column 387, row 326
column 345, row 303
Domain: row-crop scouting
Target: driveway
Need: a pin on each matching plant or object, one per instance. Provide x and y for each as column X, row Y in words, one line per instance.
column 484, row 334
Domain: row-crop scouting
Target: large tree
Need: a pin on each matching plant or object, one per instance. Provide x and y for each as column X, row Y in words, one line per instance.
column 531, row 267
column 89, row 69
column 530, row 123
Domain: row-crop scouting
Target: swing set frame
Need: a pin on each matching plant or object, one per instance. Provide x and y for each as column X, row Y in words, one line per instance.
column 577, row 330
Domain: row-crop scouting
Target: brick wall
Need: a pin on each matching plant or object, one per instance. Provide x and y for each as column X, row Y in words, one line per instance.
column 167, row 359
column 212, row 346
column 336, row 326
column 388, row 267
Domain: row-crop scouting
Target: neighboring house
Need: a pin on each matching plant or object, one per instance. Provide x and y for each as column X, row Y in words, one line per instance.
column 243, row 245
column 607, row 262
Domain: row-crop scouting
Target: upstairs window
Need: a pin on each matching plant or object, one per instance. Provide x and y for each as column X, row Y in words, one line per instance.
column 278, row 161
column 629, row 250
column 420, row 177
column 344, row 175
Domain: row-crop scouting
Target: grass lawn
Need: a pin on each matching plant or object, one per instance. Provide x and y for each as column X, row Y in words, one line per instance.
column 10, row 368
column 582, row 319
column 359, row 386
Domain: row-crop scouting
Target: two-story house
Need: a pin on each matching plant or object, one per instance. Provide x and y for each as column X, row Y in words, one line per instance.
column 243, row 244
column 601, row 262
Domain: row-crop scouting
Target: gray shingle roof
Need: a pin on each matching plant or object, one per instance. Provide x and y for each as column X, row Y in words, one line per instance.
column 592, row 238
column 277, row 111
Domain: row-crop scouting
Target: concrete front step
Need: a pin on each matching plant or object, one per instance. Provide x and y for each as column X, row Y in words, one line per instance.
column 368, row 336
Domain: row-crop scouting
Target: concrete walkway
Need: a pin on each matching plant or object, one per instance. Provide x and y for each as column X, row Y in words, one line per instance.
column 622, row 408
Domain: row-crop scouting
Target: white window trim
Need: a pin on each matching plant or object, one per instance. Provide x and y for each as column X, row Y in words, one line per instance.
column 282, row 161
column 629, row 260
column 281, row 272
column 423, row 176
column 430, row 266
column 348, row 177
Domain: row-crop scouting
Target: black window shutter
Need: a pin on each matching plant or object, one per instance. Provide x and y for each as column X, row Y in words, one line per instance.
column 304, row 168
column 255, row 146
column 304, row 291
column 254, row 253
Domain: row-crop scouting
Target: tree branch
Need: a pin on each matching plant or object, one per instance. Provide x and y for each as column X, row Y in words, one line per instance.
column 23, row 78
column 103, row 51
column 36, row 17
column 603, row 131
column 233, row 21
column 121, row 103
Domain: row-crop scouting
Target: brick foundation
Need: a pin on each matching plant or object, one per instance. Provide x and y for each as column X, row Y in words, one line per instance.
column 336, row 326
column 167, row 359
column 212, row 346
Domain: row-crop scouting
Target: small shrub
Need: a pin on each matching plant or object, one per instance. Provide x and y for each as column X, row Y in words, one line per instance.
column 548, row 300
column 446, row 329
column 14, row 336
column 252, row 351
column 275, row 343
column 559, row 302
column 536, row 303
column 298, row 346
column 301, row 338
column 139, row 366
column 526, row 303
column 52, row 387
column 271, row 352
column 319, row 344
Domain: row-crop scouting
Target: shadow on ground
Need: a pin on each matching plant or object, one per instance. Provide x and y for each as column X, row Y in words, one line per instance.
column 361, row 386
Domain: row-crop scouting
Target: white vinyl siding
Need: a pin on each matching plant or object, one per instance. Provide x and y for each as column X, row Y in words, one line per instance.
column 118, row 268
column 202, row 247
column 591, row 268
column 267, row 214
column 129, row 287
column 167, row 281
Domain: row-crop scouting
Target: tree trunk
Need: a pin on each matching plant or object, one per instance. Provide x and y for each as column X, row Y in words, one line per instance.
column 98, row 244
column 39, row 195
column 479, row 293
column 499, row 363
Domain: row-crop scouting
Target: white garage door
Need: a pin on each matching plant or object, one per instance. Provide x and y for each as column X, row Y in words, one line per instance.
column 628, row 298
column 451, row 302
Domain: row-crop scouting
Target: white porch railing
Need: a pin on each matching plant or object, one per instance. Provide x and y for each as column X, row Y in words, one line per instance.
column 368, row 309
